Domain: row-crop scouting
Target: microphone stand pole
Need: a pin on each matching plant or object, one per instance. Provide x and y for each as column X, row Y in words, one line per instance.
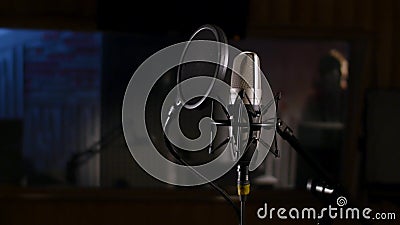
column 243, row 180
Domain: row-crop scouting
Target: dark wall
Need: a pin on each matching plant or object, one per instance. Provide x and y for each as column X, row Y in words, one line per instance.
column 11, row 167
column 176, row 16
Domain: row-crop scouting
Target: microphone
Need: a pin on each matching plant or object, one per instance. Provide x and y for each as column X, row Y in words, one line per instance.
column 248, row 87
column 248, row 65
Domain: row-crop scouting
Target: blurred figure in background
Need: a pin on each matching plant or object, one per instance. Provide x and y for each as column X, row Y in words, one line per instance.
column 321, row 131
column 328, row 101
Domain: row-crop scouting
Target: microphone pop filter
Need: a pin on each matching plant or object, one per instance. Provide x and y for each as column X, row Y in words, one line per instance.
column 189, row 70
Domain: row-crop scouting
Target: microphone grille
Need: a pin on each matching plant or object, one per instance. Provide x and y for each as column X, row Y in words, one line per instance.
column 236, row 80
column 246, row 63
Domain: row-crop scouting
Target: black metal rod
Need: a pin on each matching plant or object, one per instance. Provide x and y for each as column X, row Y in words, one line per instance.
column 242, row 212
column 287, row 134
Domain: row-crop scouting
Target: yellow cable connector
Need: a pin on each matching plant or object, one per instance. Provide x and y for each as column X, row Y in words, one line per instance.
column 243, row 189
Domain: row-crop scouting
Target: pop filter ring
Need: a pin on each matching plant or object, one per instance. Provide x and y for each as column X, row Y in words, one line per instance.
column 220, row 70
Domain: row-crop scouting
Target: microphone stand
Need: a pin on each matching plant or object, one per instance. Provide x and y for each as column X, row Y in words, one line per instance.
column 287, row 134
column 326, row 189
column 243, row 181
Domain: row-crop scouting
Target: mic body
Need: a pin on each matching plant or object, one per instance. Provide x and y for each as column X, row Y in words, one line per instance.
column 248, row 87
column 248, row 65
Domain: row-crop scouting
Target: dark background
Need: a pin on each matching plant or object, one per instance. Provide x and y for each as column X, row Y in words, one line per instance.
column 371, row 27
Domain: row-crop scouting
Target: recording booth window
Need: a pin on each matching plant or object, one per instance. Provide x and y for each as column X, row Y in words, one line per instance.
column 49, row 105
column 56, row 88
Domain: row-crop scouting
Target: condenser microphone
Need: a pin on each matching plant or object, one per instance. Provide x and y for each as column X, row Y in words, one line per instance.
column 247, row 86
